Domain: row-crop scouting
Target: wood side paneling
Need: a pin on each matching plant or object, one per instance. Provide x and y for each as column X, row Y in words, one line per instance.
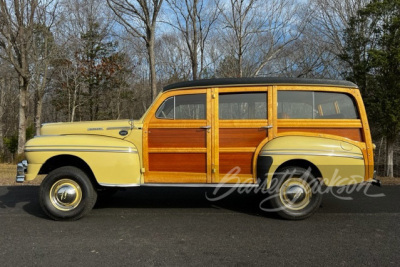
column 239, row 137
column 351, row 133
column 228, row 161
column 180, row 137
column 178, row 162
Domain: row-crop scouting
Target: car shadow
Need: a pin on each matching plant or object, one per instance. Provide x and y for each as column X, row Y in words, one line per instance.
column 231, row 199
column 246, row 201
column 21, row 197
column 27, row 199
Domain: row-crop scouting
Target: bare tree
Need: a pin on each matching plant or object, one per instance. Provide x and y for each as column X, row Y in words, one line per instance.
column 139, row 17
column 3, row 90
column 329, row 18
column 194, row 20
column 43, row 52
column 241, row 20
column 282, row 26
column 17, row 22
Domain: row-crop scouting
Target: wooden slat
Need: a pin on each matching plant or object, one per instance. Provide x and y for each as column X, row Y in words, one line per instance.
column 241, row 137
column 351, row 133
column 228, row 161
column 237, row 149
column 178, row 138
column 178, row 150
column 176, row 177
column 242, row 123
column 319, row 123
column 232, row 178
column 178, row 162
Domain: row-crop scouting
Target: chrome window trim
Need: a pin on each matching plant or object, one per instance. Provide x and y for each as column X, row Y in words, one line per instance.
column 80, row 150
column 199, row 185
column 267, row 153
column 313, row 150
column 119, row 128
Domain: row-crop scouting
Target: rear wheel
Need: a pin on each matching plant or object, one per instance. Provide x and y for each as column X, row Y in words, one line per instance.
column 67, row 194
column 296, row 193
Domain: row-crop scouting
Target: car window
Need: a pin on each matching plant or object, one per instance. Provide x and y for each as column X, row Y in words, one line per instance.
column 240, row 106
column 183, row 107
column 315, row 105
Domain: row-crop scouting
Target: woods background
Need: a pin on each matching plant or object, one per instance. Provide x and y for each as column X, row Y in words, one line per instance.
column 75, row 60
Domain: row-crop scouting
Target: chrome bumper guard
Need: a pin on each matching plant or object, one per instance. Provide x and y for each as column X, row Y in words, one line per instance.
column 21, row 171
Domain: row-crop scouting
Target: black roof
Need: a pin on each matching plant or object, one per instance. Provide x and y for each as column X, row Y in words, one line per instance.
column 257, row 81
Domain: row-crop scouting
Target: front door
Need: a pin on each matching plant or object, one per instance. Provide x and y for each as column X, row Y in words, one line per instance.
column 177, row 138
column 243, row 120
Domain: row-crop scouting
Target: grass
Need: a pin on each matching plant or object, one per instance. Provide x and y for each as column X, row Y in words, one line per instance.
column 9, row 171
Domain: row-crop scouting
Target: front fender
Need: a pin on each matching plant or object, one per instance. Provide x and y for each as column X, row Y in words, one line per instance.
column 339, row 162
column 114, row 162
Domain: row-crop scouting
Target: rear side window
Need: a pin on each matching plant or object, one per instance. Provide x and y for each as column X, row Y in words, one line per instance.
column 315, row 105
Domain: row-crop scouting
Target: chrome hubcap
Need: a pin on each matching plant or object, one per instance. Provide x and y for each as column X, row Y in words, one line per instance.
column 65, row 194
column 295, row 193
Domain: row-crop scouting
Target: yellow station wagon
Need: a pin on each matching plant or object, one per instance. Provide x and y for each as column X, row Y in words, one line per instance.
column 289, row 135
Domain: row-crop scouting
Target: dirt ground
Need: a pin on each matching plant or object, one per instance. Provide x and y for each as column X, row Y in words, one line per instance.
column 8, row 172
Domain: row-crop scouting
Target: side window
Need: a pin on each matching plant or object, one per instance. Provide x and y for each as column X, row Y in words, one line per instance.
column 240, row 106
column 315, row 105
column 183, row 107
column 295, row 105
column 335, row 106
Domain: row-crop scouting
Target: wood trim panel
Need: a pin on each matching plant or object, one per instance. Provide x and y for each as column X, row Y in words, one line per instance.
column 158, row 123
column 233, row 178
column 318, row 123
column 324, row 88
column 177, row 150
column 243, row 89
column 243, row 123
column 178, row 138
column 176, row 178
column 237, row 149
column 228, row 161
column 351, row 133
column 241, row 137
column 178, row 162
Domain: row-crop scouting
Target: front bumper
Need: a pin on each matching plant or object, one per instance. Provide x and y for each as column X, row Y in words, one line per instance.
column 22, row 168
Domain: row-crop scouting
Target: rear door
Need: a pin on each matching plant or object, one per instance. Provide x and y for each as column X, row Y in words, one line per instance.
column 242, row 121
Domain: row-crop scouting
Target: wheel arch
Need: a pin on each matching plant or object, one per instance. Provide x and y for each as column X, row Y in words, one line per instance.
column 303, row 163
column 58, row 161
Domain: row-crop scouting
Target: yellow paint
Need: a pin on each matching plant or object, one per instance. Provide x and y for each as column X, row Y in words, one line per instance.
column 112, row 161
column 337, row 165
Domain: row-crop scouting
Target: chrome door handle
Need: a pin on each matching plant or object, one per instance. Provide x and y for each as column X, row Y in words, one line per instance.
column 205, row 127
column 267, row 127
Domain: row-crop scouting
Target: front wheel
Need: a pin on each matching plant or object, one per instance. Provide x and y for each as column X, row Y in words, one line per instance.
column 67, row 194
column 296, row 193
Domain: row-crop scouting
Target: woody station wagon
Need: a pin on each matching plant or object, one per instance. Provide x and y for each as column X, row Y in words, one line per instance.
column 288, row 135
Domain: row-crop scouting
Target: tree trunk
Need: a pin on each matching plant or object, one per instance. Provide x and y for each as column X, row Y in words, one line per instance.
column 38, row 116
column 390, row 142
column 23, row 93
column 2, row 105
column 152, row 62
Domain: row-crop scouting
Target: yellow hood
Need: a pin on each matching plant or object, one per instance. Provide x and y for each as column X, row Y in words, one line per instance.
column 118, row 128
